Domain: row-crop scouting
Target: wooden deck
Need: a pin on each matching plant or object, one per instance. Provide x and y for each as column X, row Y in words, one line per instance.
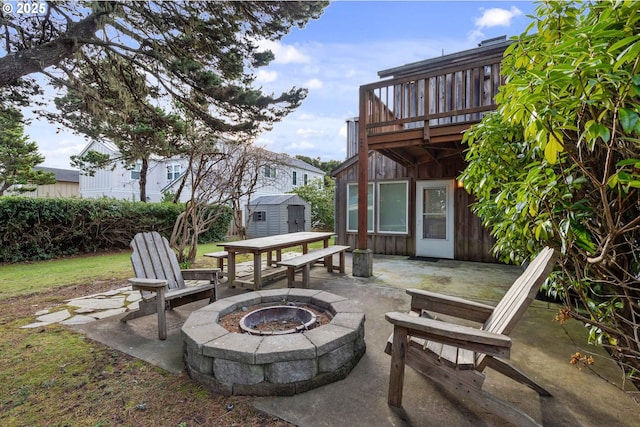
column 421, row 117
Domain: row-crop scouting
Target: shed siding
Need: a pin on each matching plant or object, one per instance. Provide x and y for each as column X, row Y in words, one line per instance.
column 277, row 215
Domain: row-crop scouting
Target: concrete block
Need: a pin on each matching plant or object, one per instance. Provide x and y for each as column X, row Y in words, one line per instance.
column 291, row 372
column 281, row 348
column 233, row 346
column 362, row 263
column 335, row 359
column 230, row 372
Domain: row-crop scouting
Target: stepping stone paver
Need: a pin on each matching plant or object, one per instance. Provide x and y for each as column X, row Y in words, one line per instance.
column 57, row 316
column 108, row 313
column 78, row 320
column 98, row 303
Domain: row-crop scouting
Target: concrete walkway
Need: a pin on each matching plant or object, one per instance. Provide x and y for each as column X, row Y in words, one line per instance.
column 592, row 396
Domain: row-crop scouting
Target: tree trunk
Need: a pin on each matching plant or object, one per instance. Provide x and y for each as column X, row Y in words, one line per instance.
column 143, row 179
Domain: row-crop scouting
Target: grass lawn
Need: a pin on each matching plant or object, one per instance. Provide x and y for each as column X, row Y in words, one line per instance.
column 51, row 376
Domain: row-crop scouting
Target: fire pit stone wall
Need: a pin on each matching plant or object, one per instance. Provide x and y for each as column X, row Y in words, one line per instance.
column 243, row 364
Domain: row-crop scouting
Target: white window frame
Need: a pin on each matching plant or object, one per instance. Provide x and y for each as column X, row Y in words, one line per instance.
column 135, row 169
column 270, row 171
column 370, row 227
column 406, row 207
column 173, row 169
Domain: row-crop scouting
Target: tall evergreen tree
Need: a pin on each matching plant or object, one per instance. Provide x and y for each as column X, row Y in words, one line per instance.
column 200, row 55
column 18, row 155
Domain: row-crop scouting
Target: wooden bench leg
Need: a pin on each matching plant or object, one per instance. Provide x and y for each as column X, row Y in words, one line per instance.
column 342, row 262
column 328, row 262
column 291, row 276
column 396, row 373
column 305, row 275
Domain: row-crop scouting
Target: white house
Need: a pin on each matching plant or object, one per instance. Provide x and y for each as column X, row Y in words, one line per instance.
column 124, row 183
column 280, row 177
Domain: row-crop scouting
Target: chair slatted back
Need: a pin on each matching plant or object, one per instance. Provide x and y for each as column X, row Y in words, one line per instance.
column 153, row 258
column 519, row 297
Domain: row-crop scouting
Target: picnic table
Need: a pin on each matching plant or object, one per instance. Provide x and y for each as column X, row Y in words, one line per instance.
column 269, row 245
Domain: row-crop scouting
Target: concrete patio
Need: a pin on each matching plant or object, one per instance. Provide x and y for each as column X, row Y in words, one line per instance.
column 593, row 396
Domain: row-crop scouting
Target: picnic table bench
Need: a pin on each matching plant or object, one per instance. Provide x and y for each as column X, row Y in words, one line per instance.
column 304, row 262
column 219, row 256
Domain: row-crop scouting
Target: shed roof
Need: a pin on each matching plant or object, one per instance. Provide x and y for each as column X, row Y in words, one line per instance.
column 276, row 199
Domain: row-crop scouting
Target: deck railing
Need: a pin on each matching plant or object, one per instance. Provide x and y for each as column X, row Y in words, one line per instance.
column 457, row 94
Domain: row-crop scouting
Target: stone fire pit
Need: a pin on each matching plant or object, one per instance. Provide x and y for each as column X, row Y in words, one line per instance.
column 244, row 364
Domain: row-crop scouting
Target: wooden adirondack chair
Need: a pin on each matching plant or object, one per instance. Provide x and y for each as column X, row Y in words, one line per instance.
column 154, row 262
column 455, row 356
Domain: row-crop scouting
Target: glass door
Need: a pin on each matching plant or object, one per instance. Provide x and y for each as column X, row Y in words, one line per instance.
column 434, row 219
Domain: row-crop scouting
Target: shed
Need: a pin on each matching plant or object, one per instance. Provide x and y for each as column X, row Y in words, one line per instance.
column 278, row 214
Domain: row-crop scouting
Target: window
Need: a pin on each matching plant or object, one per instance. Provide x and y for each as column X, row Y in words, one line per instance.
column 260, row 216
column 306, row 178
column 392, row 207
column 352, row 207
column 173, row 172
column 270, row 171
column 295, row 178
column 135, row 170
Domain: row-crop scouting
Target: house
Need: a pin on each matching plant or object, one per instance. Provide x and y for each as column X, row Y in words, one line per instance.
column 275, row 174
column 122, row 181
column 67, row 184
column 398, row 193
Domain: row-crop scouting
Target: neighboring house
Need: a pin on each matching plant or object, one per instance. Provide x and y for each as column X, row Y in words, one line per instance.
column 124, row 183
column 280, row 176
column 410, row 153
column 67, row 184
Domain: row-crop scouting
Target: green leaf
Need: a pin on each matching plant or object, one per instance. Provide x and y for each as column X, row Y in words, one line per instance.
column 628, row 119
column 554, row 146
column 617, row 45
column 597, row 130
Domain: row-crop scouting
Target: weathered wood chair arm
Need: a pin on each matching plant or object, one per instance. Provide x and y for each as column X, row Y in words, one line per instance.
column 449, row 305
column 448, row 333
column 210, row 274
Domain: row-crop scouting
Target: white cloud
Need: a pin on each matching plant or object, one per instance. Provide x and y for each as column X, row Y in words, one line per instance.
column 284, row 54
column 497, row 17
column 266, row 76
column 305, row 133
column 314, row 84
column 300, row 146
column 305, row 117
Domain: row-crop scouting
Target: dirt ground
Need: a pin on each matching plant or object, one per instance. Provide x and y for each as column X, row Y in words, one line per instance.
column 111, row 385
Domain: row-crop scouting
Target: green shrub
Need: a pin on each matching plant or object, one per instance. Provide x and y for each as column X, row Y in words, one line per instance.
column 218, row 230
column 33, row 228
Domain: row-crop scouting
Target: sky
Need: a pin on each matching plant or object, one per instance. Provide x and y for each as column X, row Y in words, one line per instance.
column 335, row 54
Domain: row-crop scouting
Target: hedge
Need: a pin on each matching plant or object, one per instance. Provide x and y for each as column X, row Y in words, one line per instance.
column 41, row 228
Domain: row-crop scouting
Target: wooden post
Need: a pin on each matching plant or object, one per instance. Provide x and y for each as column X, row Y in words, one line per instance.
column 363, row 172
column 363, row 257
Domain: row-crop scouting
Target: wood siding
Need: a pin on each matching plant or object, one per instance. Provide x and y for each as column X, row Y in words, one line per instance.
column 472, row 241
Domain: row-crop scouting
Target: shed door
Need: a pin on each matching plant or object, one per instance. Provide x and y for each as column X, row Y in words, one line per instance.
column 296, row 218
column 434, row 219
